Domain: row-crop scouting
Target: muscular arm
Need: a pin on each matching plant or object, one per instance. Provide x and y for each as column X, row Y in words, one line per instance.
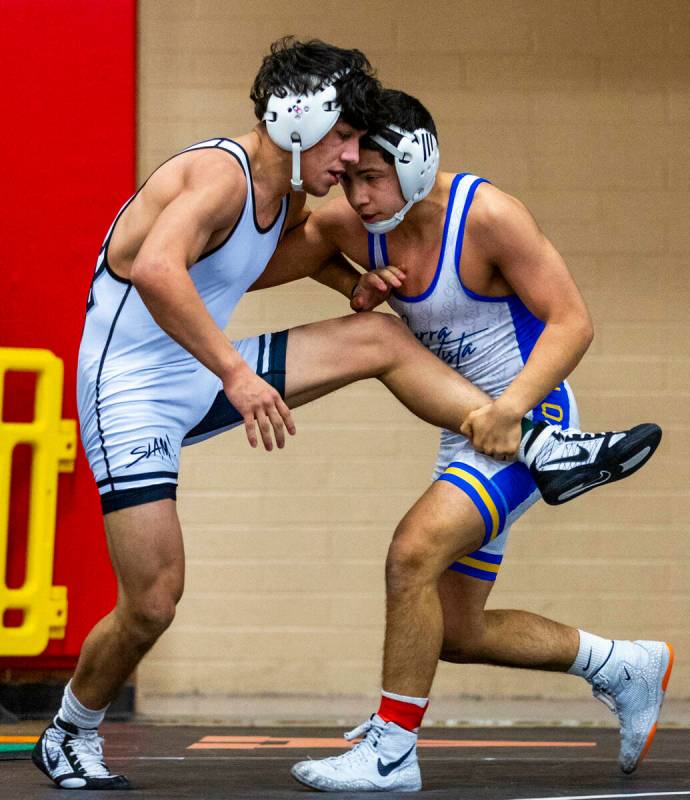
column 209, row 200
column 537, row 273
column 309, row 249
column 510, row 239
column 160, row 271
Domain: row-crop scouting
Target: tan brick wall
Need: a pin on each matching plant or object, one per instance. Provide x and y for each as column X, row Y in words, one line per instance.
column 580, row 109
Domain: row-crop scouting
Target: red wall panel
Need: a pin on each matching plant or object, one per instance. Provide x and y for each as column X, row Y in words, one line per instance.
column 68, row 163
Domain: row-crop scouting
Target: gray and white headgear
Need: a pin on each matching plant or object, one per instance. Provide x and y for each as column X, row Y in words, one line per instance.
column 297, row 122
column 416, row 164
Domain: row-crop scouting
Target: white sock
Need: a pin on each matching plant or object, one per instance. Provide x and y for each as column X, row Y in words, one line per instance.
column 76, row 714
column 594, row 652
column 422, row 702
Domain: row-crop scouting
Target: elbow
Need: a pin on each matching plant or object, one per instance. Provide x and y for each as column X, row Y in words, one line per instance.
column 587, row 333
column 146, row 274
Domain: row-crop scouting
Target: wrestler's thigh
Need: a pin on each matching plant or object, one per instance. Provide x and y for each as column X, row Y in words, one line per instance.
column 325, row 356
column 442, row 526
column 146, row 550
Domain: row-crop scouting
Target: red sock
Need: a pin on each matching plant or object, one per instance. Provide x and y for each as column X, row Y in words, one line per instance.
column 407, row 715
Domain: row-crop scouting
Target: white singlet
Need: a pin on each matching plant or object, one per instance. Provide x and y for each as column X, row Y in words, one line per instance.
column 139, row 392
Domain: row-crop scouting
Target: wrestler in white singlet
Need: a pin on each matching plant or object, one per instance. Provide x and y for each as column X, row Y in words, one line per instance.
column 141, row 395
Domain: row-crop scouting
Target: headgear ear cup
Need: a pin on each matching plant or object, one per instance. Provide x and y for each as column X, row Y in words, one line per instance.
column 298, row 122
column 416, row 164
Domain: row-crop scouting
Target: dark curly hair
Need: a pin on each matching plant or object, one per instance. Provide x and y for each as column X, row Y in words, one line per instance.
column 294, row 66
column 403, row 110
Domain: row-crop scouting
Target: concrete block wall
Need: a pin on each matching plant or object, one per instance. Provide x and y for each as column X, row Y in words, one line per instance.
column 581, row 110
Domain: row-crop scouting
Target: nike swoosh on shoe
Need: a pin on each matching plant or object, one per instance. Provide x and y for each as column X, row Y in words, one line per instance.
column 52, row 762
column 386, row 769
column 604, row 476
column 581, row 455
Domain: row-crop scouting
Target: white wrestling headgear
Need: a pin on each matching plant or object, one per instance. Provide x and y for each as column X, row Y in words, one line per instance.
column 297, row 122
column 416, row 164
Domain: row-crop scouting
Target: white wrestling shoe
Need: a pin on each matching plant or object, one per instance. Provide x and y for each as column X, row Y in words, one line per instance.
column 567, row 463
column 73, row 758
column 384, row 761
column 632, row 684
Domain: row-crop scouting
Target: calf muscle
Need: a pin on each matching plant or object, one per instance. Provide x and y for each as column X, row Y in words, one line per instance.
column 145, row 544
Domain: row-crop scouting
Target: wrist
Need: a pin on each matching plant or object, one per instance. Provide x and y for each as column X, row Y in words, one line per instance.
column 511, row 407
column 232, row 365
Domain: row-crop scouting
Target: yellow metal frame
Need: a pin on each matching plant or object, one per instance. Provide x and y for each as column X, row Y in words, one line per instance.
column 53, row 441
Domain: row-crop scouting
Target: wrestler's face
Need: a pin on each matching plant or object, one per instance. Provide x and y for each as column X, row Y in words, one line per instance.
column 372, row 187
column 324, row 163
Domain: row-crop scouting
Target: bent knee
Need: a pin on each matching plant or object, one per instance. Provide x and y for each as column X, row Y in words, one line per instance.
column 463, row 639
column 381, row 331
column 150, row 614
column 455, row 653
column 412, row 560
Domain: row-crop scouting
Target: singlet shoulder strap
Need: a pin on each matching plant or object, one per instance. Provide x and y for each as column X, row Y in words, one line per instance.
column 378, row 252
column 236, row 149
column 462, row 192
column 467, row 186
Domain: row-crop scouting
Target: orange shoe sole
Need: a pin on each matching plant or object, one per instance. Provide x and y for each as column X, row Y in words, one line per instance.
column 664, row 684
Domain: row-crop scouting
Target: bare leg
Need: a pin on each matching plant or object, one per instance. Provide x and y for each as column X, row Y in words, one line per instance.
column 326, row 356
column 442, row 526
column 146, row 550
column 505, row 638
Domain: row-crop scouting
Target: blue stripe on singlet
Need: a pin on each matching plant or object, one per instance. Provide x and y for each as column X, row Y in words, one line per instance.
column 515, row 484
column 472, row 565
column 528, row 329
column 384, row 250
column 418, row 298
column 137, row 477
column 458, row 248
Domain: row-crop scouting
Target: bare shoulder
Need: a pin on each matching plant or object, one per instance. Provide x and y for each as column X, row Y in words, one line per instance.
column 493, row 209
column 210, row 181
column 217, row 174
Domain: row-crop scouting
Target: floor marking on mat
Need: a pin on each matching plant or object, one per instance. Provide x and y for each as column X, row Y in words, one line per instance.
column 18, row 739
column 427, row 758
column 261, row 742
column 17, row 744
column 605, row 796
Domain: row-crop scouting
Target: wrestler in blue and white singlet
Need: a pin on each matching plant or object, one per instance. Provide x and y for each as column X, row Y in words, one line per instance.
column 487, row 340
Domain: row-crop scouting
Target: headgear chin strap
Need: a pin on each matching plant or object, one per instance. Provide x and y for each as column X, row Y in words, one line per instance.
column 416, row 164
column 297, row 122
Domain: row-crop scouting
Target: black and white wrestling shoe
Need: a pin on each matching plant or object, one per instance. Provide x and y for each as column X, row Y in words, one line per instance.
column 73, row 758
column 566, row 463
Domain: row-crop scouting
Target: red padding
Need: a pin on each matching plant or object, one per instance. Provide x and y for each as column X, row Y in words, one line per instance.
column 67, row 140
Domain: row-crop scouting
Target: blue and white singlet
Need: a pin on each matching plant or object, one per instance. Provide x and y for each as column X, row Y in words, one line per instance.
column 487, row 340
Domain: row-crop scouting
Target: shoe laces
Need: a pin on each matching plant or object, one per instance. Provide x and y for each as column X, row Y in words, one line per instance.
column 602, row 693
column 360, row 753
column 575, row 435
column 89, row 752
column 360, row 730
